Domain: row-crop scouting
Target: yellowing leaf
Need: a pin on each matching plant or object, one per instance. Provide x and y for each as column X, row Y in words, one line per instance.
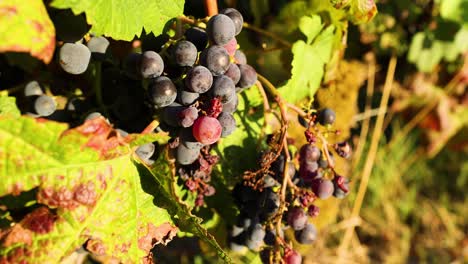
column 25, row 26
column 122, row 19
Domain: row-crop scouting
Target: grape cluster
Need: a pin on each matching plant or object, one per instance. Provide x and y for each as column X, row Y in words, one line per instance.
column 189, row 83
column 261, row 208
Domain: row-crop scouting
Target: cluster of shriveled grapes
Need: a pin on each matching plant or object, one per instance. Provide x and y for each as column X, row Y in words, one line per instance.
column 260, row 202
column 190, row 86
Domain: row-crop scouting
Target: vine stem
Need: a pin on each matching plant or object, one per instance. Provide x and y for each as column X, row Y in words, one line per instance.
column 370, row 156
column 268, row 34
column 211, row 7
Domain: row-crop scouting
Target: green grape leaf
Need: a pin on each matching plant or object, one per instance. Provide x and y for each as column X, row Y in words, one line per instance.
column 8, row 106
column 238, row 152
column 25, row 26
column 310, row 26
column 87, row 188
column 455, row 10
column 168, row 198
column 308, row 64
column 121, row 19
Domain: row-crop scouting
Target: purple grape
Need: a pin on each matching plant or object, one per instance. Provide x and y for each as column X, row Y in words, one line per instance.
column 309, row 153
column 185, row 53
column 297, row 218
column 199, row 79
column 231, row 106
column 220, row 29
column 185, row 155
column 162, row 92
column 98, row 44
column 313, row 210
column 306, row 235
column 326, row 116
column 187, row 116
column 216, row 59
column 152, row 65
column 248, row 76
column 223, row 88
column 74, row 58
column 228, row 124
column 43, row 105
column 236, row 17
column 186, row 97
column 323, row 188
column 240, row 57
column 32, row 88
column 233, row 72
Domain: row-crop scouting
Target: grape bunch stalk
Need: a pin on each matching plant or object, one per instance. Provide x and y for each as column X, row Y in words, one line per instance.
column 278, row 196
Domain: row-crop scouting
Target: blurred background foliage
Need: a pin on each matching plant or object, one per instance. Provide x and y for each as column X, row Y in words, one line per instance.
column 415, row 206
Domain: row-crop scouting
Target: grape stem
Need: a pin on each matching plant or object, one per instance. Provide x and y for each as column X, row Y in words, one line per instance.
column 273, row 36
column 211, row 7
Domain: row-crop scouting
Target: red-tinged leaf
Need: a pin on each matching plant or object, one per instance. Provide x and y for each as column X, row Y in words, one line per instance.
column 25, row 26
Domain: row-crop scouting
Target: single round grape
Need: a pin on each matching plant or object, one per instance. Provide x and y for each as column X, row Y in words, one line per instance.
column 231, row 106
column 186, row 97
column 223, row 88
column 207, row 130
column 297, row 218
column 308, row 170
column 292, row 257
column 231, row 46
column 236, row 17
column 216, row 59
column 302, row 121
column 309, row 153
column 185, row 53
column 197, row 36
column 162, row 92
column 74, row 58
column 240, row 57
column 255, row 238
column 185, row 155
column 236, row 230
column 323, row 188
column 44, row 105
column 307, row 235
column 326, row 116
column 32, row 88
column 145, row 151
column 248, row 76
column 98, row 44
column 199, row 79
column 313, row 210
column 220, row 29
column 269, row 181
column 228, row 124
column 233, row 72
column 187, row 116
column 152, row 65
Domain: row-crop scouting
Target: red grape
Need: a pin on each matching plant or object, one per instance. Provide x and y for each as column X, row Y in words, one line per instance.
column 207, row 130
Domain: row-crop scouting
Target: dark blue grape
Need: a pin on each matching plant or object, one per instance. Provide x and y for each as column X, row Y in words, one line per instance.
column 323, row 188
column 74, row 58
column 307, row 235
column 220, row 29
column 98, row 45
column 152, row 65
column 185, row 53
column 216, row 59
column 248, row 76
column 228, row 124
column 236, row 17
column 199, row 79
column 162, row 92
column 145, row 151
column 240, row 57
column 185, row 155
column 32, row 88
column 297, row 218
column 233, row 72
column 223, row 88
column 326, row 116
